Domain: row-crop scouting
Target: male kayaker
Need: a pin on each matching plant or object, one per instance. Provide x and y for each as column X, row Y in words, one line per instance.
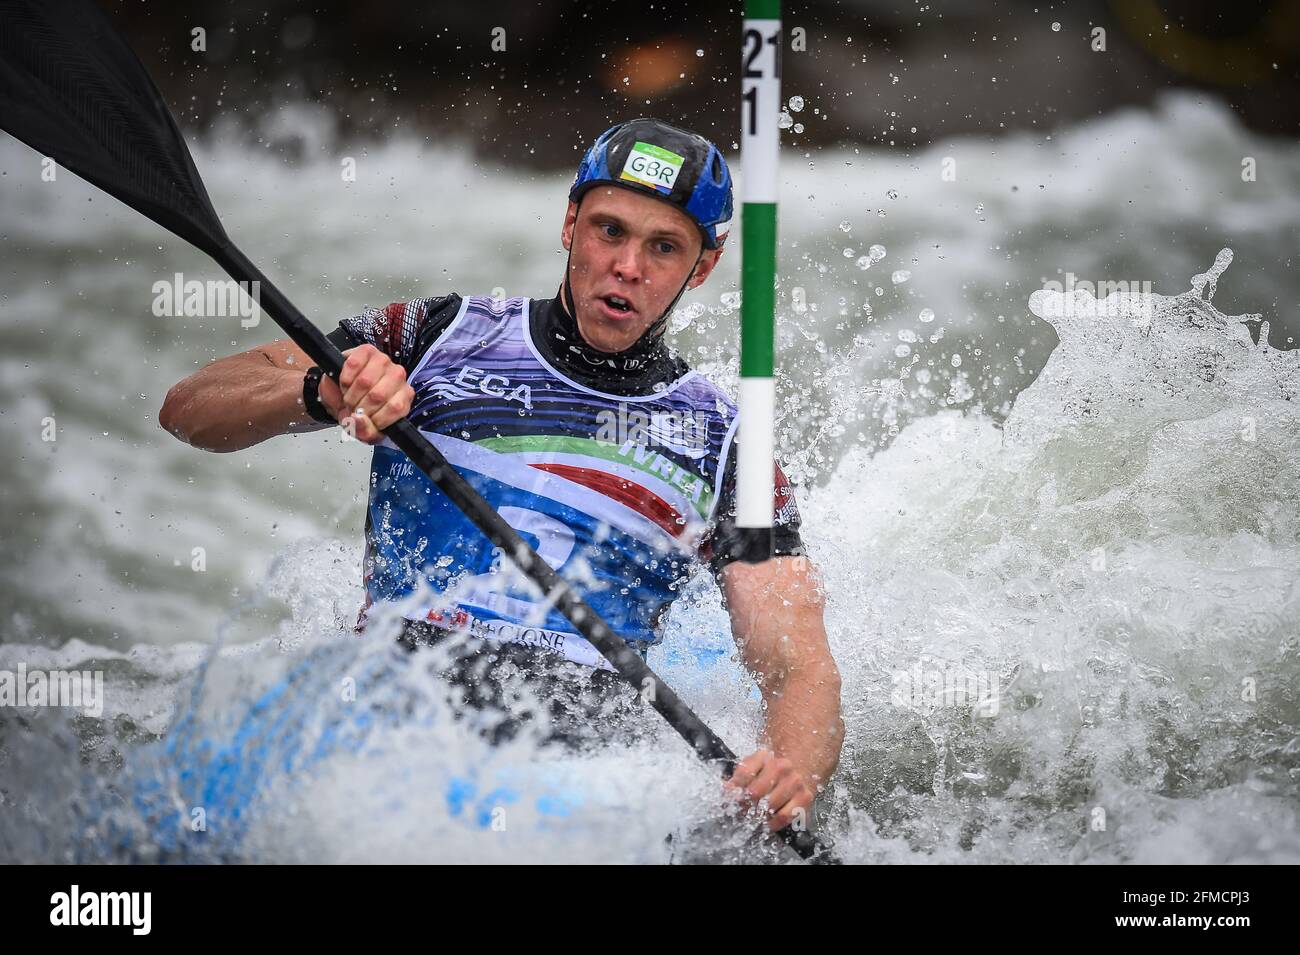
column 588, row 434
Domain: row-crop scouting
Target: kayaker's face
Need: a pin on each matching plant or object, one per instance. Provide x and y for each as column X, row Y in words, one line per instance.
column 629, row 256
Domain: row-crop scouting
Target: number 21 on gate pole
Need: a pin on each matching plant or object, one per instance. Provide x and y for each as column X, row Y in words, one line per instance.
column 759, row 147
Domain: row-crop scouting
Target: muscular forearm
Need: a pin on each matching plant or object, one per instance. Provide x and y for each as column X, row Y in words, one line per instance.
column 235, row 403
column 803, row 722
column 777, row 618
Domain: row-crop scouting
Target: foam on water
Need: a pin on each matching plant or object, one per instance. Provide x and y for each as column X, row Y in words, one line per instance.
column 338, row 749
column 1121, row 560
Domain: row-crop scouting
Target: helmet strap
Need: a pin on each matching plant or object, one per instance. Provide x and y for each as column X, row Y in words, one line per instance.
column 656, row 328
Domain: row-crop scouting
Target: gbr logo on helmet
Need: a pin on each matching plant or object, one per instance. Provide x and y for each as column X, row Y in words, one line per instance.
column 653, row 166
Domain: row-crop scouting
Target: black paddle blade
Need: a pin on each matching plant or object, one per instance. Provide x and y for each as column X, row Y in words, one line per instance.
column 72, row 89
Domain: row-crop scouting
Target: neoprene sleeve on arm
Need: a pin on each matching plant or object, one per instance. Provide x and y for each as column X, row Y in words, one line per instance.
column 403, row 330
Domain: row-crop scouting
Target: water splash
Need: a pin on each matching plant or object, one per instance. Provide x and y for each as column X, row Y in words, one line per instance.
column 1119, row 561
column 1205, row 284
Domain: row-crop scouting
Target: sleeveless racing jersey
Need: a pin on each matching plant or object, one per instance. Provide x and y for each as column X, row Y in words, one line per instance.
column 614, row 492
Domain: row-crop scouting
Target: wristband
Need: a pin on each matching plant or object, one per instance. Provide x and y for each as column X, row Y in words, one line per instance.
column 311, row 396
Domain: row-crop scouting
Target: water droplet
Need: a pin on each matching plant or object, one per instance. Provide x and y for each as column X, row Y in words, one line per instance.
column 956, row 361
column 1056, row 27
column 845, row 226
column 877, row 252
column 927, row 315
column 900, row 276
column 902, row 351
column 892, row 193
column 796, row 103
column 864, row 262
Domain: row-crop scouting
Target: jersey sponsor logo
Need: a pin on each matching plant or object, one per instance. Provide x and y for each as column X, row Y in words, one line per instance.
column 469, row 382
column 783, row 502
column 570, row 646
column 690, row 484
column 581, row 456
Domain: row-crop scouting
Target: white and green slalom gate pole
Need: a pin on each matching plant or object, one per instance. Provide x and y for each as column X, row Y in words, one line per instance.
column 760, row 110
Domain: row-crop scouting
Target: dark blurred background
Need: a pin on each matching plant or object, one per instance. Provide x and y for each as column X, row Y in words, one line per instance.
column 904, row 74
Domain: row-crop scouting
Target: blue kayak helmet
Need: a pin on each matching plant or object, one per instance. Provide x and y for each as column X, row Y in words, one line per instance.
column 675, row 165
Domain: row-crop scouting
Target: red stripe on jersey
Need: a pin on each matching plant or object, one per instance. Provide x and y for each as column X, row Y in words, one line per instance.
column 643, row 501
column 396, row 315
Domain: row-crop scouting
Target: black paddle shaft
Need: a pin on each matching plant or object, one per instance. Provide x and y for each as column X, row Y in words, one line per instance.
column 72, row 88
